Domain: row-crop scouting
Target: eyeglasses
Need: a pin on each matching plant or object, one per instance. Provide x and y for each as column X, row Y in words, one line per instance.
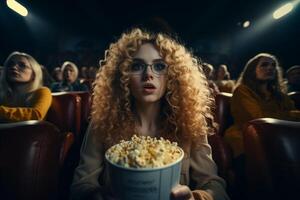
column 138, row 67
column 21, row 65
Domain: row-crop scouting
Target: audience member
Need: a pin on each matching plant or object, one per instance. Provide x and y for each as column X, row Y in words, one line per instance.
column 223, row 81
column 57, row 74
column 47, row 78
column 83, row 73
column 92, row 71
column 22, row 96
column 259, row 93
column 208, row 70
column 150, row 85
column 70, row 81
column 293, row 79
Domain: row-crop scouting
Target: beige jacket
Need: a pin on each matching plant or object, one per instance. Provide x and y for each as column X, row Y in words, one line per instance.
column 91, row 174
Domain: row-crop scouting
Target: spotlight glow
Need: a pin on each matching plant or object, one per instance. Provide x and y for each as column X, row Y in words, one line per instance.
column 282, row 11
column 246, row 24
column 17, row 7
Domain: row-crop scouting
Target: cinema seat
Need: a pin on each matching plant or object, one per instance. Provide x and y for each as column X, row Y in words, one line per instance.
column 65, row 112
column 272, row 149
column 295, row 96
column 30, row 154
column 222, row 113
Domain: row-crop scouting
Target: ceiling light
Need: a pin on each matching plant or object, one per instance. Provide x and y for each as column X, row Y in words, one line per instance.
column 280, row 12
column 246, row 24
column 17, row 7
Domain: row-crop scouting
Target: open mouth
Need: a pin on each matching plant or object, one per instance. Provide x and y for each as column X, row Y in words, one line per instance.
column 149, row 86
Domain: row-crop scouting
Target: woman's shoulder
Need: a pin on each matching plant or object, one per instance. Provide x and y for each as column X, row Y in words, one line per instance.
column 43, row 90
column 242, row 88
column 244, row 91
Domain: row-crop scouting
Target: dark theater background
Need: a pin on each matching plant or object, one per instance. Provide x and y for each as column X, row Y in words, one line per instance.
column 54, row 31
column 48, row 129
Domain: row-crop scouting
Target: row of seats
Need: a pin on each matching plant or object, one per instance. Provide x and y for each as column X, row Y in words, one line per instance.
column 254, row 162
column 70, row 113
column 31, row 164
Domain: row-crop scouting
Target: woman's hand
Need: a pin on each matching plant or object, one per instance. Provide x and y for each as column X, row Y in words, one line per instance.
column 181, row 192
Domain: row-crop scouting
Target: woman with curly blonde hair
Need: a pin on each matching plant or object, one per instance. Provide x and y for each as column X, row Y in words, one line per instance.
column 148, row 84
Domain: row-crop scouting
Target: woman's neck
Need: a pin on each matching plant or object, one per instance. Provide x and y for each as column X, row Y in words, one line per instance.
column 264, row 90
column 148, row 118
column 19, row 89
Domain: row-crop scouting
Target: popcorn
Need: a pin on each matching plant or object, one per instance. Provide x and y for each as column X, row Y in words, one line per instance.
column 144, row 152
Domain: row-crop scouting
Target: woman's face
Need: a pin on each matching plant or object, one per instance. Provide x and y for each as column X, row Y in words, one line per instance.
column 148, row 75
column 69, row 74
column 221, row 72
column 265, row 69
column 19, row 70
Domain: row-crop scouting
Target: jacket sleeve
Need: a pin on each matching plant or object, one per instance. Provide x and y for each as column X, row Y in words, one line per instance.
column 37, row 109
column 204, row 172
column 85, row 181
column 245, row 106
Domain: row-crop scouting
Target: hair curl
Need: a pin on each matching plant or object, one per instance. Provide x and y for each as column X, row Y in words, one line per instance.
column 186, row 105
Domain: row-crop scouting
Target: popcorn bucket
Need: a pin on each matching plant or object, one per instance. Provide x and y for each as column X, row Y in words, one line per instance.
column 144, row 183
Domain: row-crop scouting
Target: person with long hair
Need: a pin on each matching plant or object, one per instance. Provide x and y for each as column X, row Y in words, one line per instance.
column 22, row 95
column 260, row 92
column 150, row 85
column 223, row 81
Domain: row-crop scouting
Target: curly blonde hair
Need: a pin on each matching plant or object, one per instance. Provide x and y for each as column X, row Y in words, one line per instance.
column 186, row 105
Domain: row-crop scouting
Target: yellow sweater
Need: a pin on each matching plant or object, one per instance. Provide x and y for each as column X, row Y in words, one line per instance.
column 35, row 109
column 247, row 105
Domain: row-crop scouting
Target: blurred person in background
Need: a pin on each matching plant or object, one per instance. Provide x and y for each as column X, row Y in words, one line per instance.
column 223, row 81
column 208, row 70
column 70, row 80
column 92, row 71
column 293, row 79
column 83, row 73
column 22, row 95
column 47, row 78
column 57, row 74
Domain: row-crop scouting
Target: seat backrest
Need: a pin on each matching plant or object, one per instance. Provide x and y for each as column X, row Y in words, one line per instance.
column 222, row 113
column 295, row 96
column 272, row 149
column 222, row 156
column 85, row 113
column 85, row 104
column 30, row 160
column 65, row 112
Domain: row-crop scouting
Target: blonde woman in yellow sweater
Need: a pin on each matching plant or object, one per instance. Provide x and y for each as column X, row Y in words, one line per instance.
column 22, row 95
column 259, row 93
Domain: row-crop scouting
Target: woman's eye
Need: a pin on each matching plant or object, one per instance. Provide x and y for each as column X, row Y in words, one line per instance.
column 136, row 66
column 159, row 66
column 22, row 65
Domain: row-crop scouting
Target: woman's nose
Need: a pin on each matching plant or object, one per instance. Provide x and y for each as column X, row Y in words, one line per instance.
column 148, row 73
